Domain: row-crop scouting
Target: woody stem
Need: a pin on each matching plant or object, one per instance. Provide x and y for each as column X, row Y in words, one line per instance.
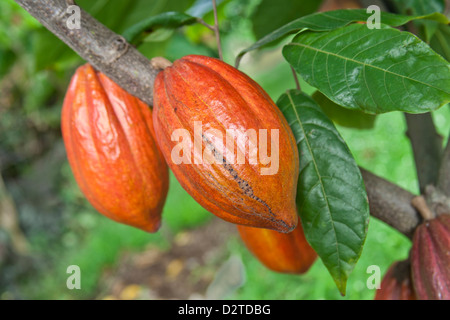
column 216, row 30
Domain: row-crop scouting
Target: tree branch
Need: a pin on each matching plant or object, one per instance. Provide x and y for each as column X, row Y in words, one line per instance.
column 427, row 147
column 107, row 51
column 425, row 141
column 391, row 203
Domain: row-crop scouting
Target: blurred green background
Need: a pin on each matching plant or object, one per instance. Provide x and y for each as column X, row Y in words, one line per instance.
column 47, row 225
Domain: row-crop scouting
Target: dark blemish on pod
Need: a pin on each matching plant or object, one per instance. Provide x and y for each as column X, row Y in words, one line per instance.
column 243, row 184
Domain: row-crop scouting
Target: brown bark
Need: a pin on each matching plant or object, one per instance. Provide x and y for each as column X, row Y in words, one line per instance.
column 426, row 144
column 391, row 203
column 104, row 49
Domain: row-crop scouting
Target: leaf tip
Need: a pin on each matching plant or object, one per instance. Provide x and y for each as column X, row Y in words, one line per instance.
column 341, row 285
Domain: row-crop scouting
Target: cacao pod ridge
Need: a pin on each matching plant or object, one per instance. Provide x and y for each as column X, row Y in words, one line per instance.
column 110, row 144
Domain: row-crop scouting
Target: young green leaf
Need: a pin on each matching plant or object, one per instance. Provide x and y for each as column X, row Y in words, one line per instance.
column 376, row 71
column 330, row 20
column 42, row 57
column 331, row 197
column 440, row 42
column 167, row 20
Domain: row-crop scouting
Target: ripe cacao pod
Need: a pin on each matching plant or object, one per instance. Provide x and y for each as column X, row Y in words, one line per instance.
column 430, row 259
column 110, row 144
column 209, row 100
column 281, row 252
column 397, row 283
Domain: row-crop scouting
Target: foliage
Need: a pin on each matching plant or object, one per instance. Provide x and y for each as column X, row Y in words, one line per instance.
column 363, row 72
column 331, row 199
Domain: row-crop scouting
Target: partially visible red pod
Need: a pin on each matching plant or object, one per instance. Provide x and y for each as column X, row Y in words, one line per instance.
column 201, row 102
column 281, row 252
column 430, row 259
column 110, row 144
column 397, row 283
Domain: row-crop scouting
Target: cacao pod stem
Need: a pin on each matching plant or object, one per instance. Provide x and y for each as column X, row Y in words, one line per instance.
column 420, row 204
column 160, row 63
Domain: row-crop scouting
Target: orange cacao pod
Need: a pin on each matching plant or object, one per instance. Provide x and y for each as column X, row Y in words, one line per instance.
column 397, row 283
column 212, row 101
column 110, row 144
column 430, row 259
column 281, row 252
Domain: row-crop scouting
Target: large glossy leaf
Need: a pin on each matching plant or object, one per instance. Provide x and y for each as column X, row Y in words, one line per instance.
column 326, row 21
column 376, row 71
column 331, row 196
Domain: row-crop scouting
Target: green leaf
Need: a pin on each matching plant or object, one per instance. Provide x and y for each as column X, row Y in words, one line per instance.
column 417, row 7
column 44, row 58
column 109, row 13
column 280, row 12
column 331, row 196
column 159, row 35
column 343, row 116
column 426, row 29
column 119, row 15
column 376, row 71
column 166, row 20
column 440, row 42
column 330, row 20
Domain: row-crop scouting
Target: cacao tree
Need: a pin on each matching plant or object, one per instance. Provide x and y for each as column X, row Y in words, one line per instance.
column 363, row 59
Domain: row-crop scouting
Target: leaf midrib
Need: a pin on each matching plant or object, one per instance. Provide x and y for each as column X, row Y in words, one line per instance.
column 320, row 181
column 366, row 64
